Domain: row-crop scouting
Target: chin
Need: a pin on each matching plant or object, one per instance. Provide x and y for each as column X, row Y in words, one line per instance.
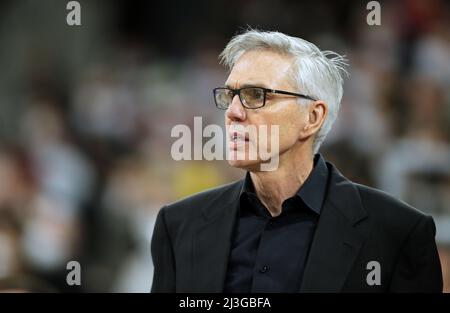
column 248, row 165
column 239, row 157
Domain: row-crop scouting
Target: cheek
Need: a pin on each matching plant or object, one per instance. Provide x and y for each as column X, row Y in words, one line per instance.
column 288, row 132
column 289, row 135
column 290, row 121
column 291, row 124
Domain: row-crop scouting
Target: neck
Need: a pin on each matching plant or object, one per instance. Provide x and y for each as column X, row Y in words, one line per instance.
column 272, row 188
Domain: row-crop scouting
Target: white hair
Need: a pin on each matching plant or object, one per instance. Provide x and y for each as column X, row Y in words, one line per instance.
column 318, row 74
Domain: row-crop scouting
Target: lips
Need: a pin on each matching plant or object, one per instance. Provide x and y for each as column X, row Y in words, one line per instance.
column 236, row 136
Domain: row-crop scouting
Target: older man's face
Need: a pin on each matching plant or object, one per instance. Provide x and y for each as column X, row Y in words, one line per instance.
column 270, row 70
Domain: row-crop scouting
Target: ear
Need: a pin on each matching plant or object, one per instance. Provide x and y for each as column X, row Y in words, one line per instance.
column 317, row 113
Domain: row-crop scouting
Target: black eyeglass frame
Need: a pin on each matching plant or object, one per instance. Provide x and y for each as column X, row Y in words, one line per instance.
column 265, row 91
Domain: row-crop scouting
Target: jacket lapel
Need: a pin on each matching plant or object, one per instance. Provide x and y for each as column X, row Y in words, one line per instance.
column 212, row 241
column 339, row 236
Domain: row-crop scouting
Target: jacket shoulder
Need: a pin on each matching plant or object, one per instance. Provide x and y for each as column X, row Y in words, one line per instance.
column 388, row 210
column 192, row 205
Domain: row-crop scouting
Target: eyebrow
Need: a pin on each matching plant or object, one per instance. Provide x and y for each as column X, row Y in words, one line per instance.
column 250, row 84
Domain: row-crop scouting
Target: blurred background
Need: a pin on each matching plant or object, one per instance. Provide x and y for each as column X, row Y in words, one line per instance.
column 86, row 114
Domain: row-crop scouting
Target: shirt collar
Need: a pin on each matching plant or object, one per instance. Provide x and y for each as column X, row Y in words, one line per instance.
column 313, row 190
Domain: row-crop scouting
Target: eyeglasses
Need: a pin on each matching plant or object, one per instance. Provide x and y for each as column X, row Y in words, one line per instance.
column 251, row 97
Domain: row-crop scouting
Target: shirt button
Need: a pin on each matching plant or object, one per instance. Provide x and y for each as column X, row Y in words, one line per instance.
column 264, row 269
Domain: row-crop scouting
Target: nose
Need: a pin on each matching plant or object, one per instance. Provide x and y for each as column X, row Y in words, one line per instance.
column 235, row 111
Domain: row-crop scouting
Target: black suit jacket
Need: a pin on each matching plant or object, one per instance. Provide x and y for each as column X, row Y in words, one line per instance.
column 191, row 242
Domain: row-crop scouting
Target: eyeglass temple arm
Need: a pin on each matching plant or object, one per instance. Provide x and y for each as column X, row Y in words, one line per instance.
column 291, row 94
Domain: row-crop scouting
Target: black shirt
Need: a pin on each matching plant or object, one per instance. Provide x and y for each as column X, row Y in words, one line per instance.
column 268, row 254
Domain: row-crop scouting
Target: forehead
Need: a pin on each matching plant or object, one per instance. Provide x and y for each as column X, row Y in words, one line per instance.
column 262, row 68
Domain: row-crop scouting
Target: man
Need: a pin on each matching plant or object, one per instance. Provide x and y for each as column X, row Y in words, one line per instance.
column 301, row 226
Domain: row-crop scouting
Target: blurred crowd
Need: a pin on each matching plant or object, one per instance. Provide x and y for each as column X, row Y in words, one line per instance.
column 86, row 114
